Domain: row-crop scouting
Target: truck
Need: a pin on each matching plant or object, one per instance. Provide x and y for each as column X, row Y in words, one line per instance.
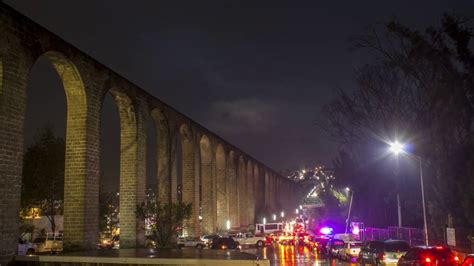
column 249, row 239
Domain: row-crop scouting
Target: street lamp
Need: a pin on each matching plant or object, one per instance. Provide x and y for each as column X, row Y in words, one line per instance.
column 397, row 148
column 282, row 214
column 350, row 207
column 297, row 211
column 264, row 220
column 227, row 224
column 274, row 217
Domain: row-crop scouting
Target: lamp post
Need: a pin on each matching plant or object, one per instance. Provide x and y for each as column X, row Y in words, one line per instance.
column 350, row 207
column 423, row 200
column 396, row 147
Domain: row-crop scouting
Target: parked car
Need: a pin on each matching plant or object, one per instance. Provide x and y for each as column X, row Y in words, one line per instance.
column 431, row 255
column 25, row 248
column 469, row 260
column 224, row 243
column 52, row 243
column 207, row 239
column 383, row 252
column 194, row 242
column 249, row 239
column 350, row 250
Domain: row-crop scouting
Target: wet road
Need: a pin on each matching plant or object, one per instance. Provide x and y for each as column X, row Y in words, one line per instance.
column 293, row 255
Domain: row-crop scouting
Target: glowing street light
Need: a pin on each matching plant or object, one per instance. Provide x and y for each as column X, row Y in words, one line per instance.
column 396, row 147
column 282, row 214
column 227, row 224
column 264, row 220
column 301, row 207
column 274, row 217
column 297, row 211
column 348, row 189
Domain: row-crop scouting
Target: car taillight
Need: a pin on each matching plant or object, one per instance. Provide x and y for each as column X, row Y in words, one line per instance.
column 381, row 256
column 427, row 260
column 456, row 258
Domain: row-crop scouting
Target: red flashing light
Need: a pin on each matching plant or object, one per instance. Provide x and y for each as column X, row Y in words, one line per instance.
column 427, row 260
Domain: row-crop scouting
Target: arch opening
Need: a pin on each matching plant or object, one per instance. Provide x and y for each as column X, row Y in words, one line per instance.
column 128, row 184
column 164, row 152
column 190, row 182
column 232, row 191
column 206, row 187
column 66, row 124
column 242, row 194
column 221, row 191
column 250, row 197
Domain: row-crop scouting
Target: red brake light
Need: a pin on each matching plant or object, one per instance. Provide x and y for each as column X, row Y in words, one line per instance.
column 439, row 247
column 381, row 256
column 456, row 258
column 427, row 260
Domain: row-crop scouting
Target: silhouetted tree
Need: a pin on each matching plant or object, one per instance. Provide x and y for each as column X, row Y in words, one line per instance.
column 419, row 88
column 165, row 219
column 43, row 175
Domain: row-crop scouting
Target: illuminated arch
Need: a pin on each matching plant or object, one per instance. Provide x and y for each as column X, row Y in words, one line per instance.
column 242, row 202
column 232, row 191
column 221, row 193
column 190, row 189
column 207, row 201
column 164, row 151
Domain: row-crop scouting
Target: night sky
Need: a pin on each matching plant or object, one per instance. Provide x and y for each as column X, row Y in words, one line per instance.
column 254, row 72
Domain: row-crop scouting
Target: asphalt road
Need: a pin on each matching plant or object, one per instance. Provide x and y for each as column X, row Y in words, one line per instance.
column 292, row 255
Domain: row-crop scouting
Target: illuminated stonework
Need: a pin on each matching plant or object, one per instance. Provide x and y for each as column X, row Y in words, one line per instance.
column 223, row 182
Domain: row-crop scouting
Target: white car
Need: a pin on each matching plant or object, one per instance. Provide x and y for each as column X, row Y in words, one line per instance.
column 250, row 240
column 25, row 248
column 52, row 243
column 191, row 242
column 350, row 251
column 207, row 239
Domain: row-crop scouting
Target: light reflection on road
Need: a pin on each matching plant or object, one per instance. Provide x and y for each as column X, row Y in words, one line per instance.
column 293, row 255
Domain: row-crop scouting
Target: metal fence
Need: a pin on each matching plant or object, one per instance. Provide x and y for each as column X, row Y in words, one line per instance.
column 414, row 236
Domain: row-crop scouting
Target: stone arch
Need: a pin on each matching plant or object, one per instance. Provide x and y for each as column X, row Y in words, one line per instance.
column 222, row 211
column 207, row 184
column 129, row 177
column 250, row 196
column 190, row 184
column 164, row 151
column 267, row 189
column 1, row 76
column 75, row 170
column 232, row 192
column 258, row 190
column 242, row 192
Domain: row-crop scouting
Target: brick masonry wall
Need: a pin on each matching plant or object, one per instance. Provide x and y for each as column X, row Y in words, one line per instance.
column 86, row 82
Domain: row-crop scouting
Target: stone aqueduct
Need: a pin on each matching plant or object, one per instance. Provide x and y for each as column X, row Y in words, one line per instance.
column 224, row 181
